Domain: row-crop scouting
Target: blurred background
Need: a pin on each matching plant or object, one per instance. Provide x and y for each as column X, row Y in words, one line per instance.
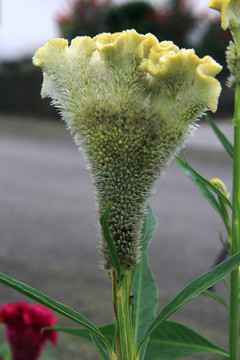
column 47, row 213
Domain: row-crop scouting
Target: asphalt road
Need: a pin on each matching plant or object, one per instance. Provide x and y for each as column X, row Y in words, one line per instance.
column 48, row 232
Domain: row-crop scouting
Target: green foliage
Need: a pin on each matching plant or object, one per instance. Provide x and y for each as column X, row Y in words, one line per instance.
column 144, row 288
column 172, row 340
column 157, row 337
column 145, row 300
column 196, row 287
column 5, row 352
column 205, row 186
column 51, row 304
column 216, row 297
column 106, row 330
column 193, row 174
column 175, row 22
column 221, row 136
column 88, row 17
column 131, row 15
column 98, row 346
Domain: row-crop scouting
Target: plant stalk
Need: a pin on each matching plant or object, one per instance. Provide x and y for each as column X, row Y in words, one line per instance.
column 125, row 345
column 235, row 246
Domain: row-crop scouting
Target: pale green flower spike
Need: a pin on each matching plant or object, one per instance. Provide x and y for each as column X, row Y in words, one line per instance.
column 230, row 10
column 233, row 64
column 230, row 17
column 131, row 103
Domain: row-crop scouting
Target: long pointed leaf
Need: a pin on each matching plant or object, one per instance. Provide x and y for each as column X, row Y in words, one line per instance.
column 145, row 299
column 51, row 304
column 224, row 244
column 209, row 184
column 143, row 284
column 172, row 340
column 109, row 239
column 216, row 297
column 195, row 288
column 221, row 136
column 202, row 187
column 169, row 341
column 193, row 174
column 107, row 330
column 98, row 347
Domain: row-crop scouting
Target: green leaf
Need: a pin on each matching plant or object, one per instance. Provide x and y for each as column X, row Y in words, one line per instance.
column 195, row 288
column 226, row 219
column 51, row 304
column 209, row 184
column 98, row 346
column 143, row 283
column 109, row 239
column 5, row 353
column 107, row 330
column 224, row 140
column 172, row 340
column 216, row 297
column 224, row 244
column 203, row 185
column 145, row 299
column 149, row 228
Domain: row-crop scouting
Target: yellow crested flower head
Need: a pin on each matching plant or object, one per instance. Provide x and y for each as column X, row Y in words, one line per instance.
column 230, row 10
column 131, row 103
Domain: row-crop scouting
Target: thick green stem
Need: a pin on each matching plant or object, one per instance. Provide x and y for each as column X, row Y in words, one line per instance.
column 235, row 246
column 125, row 346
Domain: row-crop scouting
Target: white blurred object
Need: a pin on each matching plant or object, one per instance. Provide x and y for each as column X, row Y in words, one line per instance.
column 26, row 25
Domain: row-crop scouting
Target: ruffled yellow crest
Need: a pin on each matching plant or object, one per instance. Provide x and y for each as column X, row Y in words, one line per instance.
column 154, row 65
column 166, row 63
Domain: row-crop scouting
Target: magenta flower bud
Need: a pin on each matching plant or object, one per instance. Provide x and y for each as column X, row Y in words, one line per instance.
column 24, row 323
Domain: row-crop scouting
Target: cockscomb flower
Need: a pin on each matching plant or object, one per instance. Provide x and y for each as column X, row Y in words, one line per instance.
column 230, row 11
column 24, row 329
column 131, row 103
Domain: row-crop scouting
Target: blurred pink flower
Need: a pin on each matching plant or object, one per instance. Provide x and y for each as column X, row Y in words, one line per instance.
column 63, row 19
column 24, row 323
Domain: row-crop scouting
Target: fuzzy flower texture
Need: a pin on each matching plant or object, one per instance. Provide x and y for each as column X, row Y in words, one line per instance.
column 230, row 18
column 24, row 324
column 230, row 11
column 131, row 103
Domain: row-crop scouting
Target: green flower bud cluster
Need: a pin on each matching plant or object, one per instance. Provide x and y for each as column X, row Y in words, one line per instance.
column 230, row 18
column 233, row 62
column 131, row 103
column 230, row 13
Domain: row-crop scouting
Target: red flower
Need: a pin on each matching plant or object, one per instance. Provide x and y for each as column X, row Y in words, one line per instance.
column 63, row 19
column 24, row 323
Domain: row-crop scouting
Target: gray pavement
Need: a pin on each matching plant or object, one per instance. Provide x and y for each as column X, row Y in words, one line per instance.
column 48, row 233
